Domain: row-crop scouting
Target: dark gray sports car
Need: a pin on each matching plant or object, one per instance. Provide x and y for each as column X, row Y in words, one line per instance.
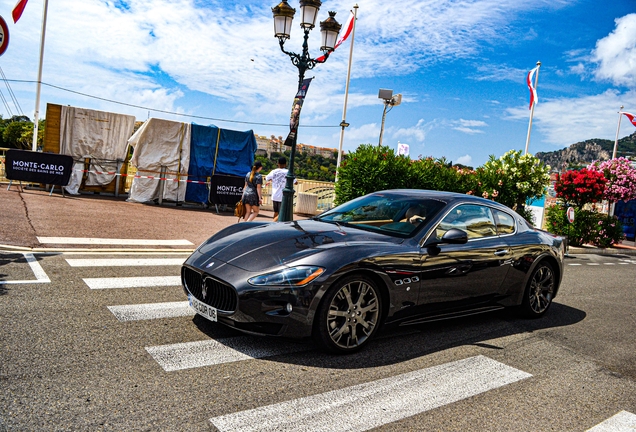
column 392, row 257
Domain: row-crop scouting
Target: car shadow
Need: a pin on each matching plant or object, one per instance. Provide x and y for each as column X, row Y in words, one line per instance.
column 394, row 345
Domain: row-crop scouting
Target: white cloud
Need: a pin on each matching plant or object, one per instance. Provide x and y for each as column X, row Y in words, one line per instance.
column 465, row 160
column 469, row 126
column 570, row 120
column 616, row 53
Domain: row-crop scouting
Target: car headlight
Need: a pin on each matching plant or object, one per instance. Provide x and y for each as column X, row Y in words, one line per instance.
column 294, row 276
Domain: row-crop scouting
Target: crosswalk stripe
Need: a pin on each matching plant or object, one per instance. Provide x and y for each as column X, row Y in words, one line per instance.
column 36, row 268
column 138, row 312
column 132, row 282
column 124, row 262
column 624, row 421
column 365, row 406
column 106, row 241
column 190, row 355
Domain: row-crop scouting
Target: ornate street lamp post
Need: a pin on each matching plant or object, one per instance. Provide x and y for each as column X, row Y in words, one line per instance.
column 283, row 16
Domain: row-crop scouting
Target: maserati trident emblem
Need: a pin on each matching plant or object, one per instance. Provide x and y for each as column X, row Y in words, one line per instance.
column 204, row 289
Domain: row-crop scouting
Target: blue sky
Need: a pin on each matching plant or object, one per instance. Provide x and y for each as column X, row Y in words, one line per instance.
column 460, row 66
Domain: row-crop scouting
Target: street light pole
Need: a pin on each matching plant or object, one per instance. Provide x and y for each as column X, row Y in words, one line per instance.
column 283, row 16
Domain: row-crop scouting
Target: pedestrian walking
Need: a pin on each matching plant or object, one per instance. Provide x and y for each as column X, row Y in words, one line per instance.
column 253, row 192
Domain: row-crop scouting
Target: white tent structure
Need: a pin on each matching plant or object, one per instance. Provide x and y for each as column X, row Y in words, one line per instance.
column 161, row 150
column 99, row 136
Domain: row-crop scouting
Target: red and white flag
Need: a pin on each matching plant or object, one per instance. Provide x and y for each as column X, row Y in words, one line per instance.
column 533, row 92
column 348, row 28
column 630, row 117
column 18, row 9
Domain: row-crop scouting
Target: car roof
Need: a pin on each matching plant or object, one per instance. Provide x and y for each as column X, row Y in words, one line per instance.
column 447, row 197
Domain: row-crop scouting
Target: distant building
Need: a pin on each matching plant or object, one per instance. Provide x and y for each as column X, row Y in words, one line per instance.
column 322, row 151
column 266, row 146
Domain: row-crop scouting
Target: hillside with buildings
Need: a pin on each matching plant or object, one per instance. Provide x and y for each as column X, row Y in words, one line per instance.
column 585, row 152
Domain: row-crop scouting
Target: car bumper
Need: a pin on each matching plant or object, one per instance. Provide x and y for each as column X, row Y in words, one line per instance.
column 273, row 311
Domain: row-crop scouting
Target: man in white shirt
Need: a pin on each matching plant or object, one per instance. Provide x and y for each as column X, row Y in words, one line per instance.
column 278, row 177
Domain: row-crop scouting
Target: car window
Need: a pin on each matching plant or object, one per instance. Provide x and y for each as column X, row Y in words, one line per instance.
column 505, row 222
column 387, row 213
column 476, row 220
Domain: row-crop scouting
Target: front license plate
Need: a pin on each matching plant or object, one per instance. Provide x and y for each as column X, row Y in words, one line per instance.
column 201, row 308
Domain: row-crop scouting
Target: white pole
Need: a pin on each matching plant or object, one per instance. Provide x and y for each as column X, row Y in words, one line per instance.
column 618, row 128
column 534, row 102
column 344, row 123
column 36, row 117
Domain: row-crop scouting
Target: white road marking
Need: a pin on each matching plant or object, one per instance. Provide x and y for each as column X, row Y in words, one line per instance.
column 369, row 405
column 105, row 241
column 575, row 264
column 132, row 282
column 624, row 421
column 138, row 312
column 38, row 271
column 609, row 263
column 593, row 264
column 125, row 262
column 190, row 355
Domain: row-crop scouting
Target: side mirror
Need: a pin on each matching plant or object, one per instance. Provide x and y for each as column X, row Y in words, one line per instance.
column 454, row 236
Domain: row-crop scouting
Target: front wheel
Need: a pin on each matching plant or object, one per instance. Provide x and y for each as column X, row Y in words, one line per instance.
column 538, row 295
column 349, row 315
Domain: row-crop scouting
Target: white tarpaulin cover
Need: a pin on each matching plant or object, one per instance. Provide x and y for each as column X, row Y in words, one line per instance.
column 98, row 135
column 160, row 143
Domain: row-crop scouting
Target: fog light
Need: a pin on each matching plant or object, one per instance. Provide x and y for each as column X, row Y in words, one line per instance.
column 288, row 308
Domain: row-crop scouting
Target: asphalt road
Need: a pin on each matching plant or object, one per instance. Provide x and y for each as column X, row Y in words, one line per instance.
column 98, row 336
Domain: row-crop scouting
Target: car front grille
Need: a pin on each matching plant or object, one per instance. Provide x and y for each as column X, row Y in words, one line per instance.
column 218, row 294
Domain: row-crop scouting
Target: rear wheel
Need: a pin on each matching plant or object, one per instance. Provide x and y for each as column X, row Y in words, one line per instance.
column 540, row 291
column 349, row 315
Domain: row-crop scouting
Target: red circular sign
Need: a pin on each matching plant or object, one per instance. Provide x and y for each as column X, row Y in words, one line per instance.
column 4, row 36
column 570, row 213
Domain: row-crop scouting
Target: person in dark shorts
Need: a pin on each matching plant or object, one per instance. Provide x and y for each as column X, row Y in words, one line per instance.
column 253, row 192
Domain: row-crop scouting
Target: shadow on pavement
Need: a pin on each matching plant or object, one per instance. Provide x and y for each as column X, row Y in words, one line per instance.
column 394, row 345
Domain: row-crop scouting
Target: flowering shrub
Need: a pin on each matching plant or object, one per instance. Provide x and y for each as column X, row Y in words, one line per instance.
column 512, row 179
column 580, row 187
column 620, row 176
column 589, row 227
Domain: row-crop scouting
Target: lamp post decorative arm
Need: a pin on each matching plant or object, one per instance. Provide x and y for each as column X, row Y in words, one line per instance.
column 303, row 61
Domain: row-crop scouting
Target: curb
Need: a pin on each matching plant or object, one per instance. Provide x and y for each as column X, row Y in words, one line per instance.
column 577, row 250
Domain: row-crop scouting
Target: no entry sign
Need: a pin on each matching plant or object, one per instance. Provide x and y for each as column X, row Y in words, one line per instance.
column 4, row 36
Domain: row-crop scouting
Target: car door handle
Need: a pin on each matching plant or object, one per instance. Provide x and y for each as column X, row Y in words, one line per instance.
column 502, row 252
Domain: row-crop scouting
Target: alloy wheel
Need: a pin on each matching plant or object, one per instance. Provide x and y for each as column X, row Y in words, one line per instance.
column 353, row 314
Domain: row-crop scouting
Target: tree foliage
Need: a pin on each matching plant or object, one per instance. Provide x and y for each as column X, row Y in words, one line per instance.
column 17, row 132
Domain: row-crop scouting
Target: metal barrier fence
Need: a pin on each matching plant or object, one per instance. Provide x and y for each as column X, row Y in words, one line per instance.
column 320, row 192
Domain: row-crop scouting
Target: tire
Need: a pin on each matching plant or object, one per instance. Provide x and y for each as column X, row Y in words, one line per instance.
column 349, row 315
column 539, row 292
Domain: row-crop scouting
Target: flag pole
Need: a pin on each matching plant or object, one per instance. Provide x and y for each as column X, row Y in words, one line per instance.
column 618, row 128
column 36, row 117
column 534, row 102
column 343, row 123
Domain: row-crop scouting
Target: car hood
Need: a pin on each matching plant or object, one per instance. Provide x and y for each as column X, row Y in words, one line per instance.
column 271, row 245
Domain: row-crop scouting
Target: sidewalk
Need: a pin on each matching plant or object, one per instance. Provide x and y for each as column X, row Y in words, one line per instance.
column 31, row 213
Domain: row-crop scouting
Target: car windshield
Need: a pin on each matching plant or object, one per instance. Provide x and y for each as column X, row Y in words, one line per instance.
column 396, row 215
